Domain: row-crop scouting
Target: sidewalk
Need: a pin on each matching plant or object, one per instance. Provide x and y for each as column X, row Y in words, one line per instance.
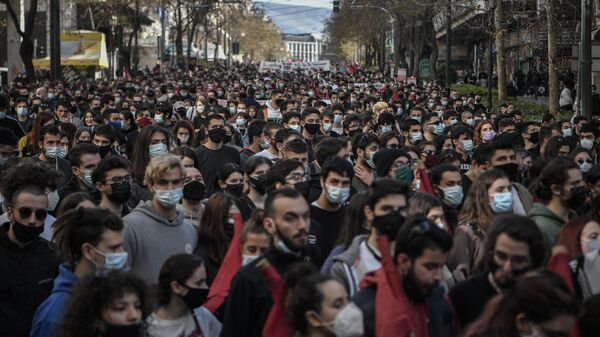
column 543, row 100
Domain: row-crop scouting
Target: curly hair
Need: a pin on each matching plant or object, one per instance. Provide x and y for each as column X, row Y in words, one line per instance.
column 94, row 295
column 27, row 172
column 476, row 209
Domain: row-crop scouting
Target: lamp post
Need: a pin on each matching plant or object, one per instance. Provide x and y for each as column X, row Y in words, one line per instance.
column 55, row 72
column 490, row 54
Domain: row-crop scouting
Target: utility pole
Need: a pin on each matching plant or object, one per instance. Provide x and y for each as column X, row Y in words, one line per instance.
column 448, row 43
column 136, row 50
column 585, row 59
column 55, row 72
column 490, row 54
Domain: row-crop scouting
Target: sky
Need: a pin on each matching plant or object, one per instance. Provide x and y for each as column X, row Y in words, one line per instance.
column 312, row 3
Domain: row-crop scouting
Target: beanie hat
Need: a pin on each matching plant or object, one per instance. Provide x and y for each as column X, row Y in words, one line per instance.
column 385, row 158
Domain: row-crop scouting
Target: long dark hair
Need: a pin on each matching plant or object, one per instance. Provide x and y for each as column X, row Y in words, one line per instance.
column 178, row 268
column 141, row 156
column 355, row 220
column 211, row 232
column 84, row 314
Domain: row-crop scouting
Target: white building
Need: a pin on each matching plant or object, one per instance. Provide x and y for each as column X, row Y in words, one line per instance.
column 304, row 47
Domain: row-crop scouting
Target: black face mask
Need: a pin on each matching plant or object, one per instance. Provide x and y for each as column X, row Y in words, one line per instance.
column 258, row 183
column 236, row 190
column 303, row 188
column 195, row 297
column 511, row 170
column 534, row 137
column 578, row 196
column 194, row 191
column 120, row 193
column 389, row 224
column 130, row 330
column 217, row 135
column 312, row 128
column 227, row 138
column 351, row 133
column 25, row 233
column 104, row 150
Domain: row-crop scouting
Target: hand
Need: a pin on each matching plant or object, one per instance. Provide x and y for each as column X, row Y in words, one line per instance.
column 366, row 176
column 558, row 249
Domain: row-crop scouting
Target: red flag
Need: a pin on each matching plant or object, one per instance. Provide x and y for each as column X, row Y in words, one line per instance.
column 426, row 186
column 277, row 323
column 231, row 264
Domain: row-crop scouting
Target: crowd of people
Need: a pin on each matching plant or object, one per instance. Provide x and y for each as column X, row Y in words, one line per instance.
column 230, row 202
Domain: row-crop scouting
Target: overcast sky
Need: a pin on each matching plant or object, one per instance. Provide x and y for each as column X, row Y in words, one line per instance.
column 313, row 3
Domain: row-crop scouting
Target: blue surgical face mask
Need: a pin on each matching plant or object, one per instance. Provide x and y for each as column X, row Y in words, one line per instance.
column 337, row 119
column 502, row 203
column 112, row 261
column 2, row 114
column 567, row 132
column 439, row 129
column 386, row 128
column 294, row 127
column 467, row 145
column 159, row 118
column 247, row 259
column 327, row 127
column 415, row 137
column 158, row 150
column 169, row 198
column 52, row 152
column 337, row 195
column 453, row 196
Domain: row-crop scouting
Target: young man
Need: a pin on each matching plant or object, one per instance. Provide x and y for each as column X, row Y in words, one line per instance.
column 256, row 139
column 111, row 178
column 329, row 210
column 287, row 220
column 193, row 194
column 530, row 132
column 23, row 114
column 364, row 147
column 155, row 230
column 292, row 120
column 104, row 137
column 419, row 256
column 213, row 154
column 311, row 123
column 462, row 140
column 63, row 112
column 8, row 121
column 387, row 203
column 432, row 126
column 92, row 243
column 28, row 263
column 84, row 158
column 270, row 152
column 561, row 190
column 514, row 246
column 296, row 149
column 325, row 149
column 412, row 132
column 51, row 152
column 9, row 146
column 447, row 183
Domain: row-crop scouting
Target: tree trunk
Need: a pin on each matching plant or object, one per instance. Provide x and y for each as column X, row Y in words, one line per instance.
column 500, row 51
column 26, row 52
column 434, row 50
column 553, row 91
column 179, row 35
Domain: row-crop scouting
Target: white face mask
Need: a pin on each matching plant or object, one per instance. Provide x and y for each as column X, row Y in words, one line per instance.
column 348, row 322
column 53, row 199
column 246, row 259
column 337, row 195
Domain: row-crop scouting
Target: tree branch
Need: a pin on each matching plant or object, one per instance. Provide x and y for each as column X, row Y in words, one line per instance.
column 13, row 16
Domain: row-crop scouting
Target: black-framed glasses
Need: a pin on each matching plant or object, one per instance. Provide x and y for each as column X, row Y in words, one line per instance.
column 581, row 161
column 118, row 180
column 25, row 213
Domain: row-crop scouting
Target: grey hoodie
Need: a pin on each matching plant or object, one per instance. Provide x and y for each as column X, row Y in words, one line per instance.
column 150, row 239
column 347, row 269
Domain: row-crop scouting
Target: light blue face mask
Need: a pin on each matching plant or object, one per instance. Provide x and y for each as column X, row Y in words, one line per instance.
column 439, row 129
column 327, row 127
column 169, row 198
column 337, row 119
column 503, row 203
column 158, row 150
column 337, row 195
column 567, row 132
column 453, row 196
column 52, row 152
column 468, row 145
column 386, row 128
column 112, row 261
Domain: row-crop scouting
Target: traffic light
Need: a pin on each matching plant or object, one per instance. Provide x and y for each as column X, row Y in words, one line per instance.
column 336, row 6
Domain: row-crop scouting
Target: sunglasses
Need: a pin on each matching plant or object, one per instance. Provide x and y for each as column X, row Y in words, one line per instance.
column 25, row 213
column 588, row 160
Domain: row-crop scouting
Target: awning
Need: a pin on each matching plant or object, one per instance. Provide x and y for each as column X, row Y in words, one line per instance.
column 79, row 49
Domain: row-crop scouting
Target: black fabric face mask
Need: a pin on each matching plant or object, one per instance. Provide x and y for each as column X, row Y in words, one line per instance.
column 303, row 188
column 511, row 170
column 236, row 190
column 194, row 191
column 312, row 128
column 389, row 224
column 130, row 330
column 195, row 297
column 25, row 233
column 258, row 183
column 120, row 193
column 578, row 196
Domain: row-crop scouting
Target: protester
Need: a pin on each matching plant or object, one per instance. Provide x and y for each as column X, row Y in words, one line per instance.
column 194, row 192
column 112, row 179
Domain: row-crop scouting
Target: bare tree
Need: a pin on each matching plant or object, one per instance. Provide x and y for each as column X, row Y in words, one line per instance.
column 553, row 89
column 26, row 48
column 500, row 27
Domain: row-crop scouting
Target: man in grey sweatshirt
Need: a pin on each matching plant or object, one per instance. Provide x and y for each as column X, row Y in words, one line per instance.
column 155, row 229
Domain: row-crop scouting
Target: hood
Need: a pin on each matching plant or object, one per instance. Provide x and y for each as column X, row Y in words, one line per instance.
column 147, row 209
column 65, row 280
column 349, row 255
column 539, row 210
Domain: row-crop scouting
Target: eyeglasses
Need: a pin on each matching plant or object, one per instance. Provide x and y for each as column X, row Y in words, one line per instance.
column 588, row 160
column 118, row 180
column 392, row 146
column 25, row 213
column 298, row 177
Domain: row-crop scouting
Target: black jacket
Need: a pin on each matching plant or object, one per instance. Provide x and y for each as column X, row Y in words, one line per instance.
column 249, row 301
column 26, row 276
column 470, row 297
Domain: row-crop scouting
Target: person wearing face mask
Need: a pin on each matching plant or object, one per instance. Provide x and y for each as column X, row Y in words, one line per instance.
column 311, row 123
column 257, row 140
column 214, row 154
column 412, row 132
column 432, row 126
column 84, row 158
column 513, row 247
column 447, row 183
column 287, row 219
column 92, row 243
column 49, row 142
column 104, row 137
column 116, row 305
column 394, row 164
column 462, row 139
column 158, row 220
column 384, row 211
column 194, row 192
column 112, row 180
column 182, row 289
column 8, row 146
column 230, row 179
column 490, row 195
column 8, row 121
column 541, row 304
column 23, row 115
column 561, row 190
column 530, row 132
column 329, row 208
column 27, row 260
column 364, row 148
column 338, row 111
column 255, row 185
column 386, row 123
column 332, row 315
column 587, row 137
column 184, row 131
column 404, row 297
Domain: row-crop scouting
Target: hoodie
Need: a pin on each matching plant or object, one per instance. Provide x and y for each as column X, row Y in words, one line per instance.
column 547, row 221
column 49, row 314
column 347, row 267
column 150, row 239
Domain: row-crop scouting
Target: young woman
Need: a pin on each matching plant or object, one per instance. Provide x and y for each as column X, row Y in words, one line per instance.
column 230, row 179
column 152, row 141
column 83, row 135
column 581, row 237
column 484, row 133
column 317, row 305
column 255, row 168
column 429, row 206
column 187, row 155
column 215, row 232
column 182, row 289
column 540, row 304
column 115, row 305
column 489, row 195
column 74, row 201
column 584, row 158
column 557, row 146
column 184, row 132
column 88, row 119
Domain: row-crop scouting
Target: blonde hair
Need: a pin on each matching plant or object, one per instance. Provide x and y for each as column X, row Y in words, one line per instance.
column 379, row 106
column 161, row 164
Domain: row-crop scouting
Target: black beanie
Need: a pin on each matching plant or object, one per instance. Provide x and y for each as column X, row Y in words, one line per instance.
column 385, row 158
